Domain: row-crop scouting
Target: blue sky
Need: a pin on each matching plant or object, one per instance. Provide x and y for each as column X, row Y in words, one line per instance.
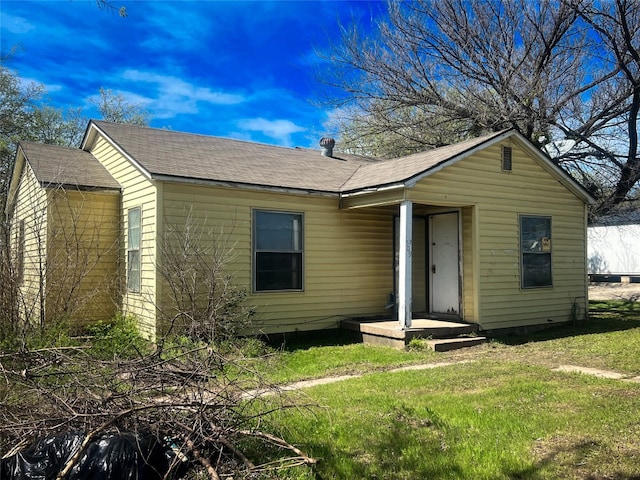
column 225, row 68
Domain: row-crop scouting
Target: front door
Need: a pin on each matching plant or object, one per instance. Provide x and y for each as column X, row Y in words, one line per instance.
column 444, row 271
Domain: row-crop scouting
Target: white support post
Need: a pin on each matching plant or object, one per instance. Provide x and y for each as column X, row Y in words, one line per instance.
column 406, row 255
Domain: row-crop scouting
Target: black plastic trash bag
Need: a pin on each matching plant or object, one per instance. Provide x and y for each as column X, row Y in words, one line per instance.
column 110, row 456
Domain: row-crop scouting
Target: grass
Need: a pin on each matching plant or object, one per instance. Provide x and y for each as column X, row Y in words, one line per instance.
column 489, row 422
column 329, row 354
column 503, row 415
column 609, row 340
column 314, row 362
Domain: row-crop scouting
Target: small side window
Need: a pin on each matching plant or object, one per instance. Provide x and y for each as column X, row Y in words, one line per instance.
column 133, row 250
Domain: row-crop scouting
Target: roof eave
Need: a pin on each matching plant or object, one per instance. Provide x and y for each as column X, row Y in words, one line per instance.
column 372, row 189
column 244, row 185
column 411, row 181
column 559, row 173
column 79, row 187
column 18, row 167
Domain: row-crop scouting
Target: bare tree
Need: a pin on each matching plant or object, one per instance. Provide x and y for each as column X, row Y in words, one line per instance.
column 434, row 72
column 438, row 57
column 188, row 395
column 389, row 130
column 111, row 7
column 202, row 296
column 191, row 391
column 115, row 108
column 82, row 256
column 61, row 262
column 617, row 24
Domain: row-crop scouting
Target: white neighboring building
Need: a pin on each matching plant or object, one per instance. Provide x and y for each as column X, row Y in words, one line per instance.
column 614, row 245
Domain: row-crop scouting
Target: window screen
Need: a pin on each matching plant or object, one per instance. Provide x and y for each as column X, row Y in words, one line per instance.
column 535, row 251
column 277, row 251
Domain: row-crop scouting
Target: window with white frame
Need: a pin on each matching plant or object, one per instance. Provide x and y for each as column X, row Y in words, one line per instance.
column 277, row 250
column 535, row 251
column 133, row 249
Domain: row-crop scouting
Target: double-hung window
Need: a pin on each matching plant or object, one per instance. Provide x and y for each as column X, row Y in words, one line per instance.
column 133, row 250
column 535, row 251
column 277, row 250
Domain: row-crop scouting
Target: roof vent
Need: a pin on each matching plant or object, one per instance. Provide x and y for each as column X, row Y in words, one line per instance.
column 507, row 162
column 327, row 145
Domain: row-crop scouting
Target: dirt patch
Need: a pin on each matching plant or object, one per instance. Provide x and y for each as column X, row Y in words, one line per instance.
column 596, row 372
column 614, row 291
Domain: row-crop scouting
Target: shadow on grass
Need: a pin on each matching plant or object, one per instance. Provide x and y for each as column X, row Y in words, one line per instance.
column 334, row 337
column 580, row 458
column 411, row 448
column 604, row 317
column 391, row 458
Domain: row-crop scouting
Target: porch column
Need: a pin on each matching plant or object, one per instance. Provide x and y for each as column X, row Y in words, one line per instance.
column 405, row 263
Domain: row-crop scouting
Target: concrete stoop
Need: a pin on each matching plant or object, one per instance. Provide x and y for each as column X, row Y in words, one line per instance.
column 442, row 335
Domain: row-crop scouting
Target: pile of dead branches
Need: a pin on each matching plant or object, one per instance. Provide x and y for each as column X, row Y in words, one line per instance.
column 181, row 394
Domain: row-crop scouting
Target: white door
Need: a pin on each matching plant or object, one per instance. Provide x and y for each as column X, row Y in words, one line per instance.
column 444, row 271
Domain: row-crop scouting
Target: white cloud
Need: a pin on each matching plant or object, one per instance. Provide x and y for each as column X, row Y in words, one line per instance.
column 130, row 98
column 13, row 24
column 27, row 83
column 280, row 130
column 175, row 96
column 189, row 25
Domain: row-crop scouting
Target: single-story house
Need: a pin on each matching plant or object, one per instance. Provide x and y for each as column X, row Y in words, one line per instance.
column 488, row 231
column 613, row 245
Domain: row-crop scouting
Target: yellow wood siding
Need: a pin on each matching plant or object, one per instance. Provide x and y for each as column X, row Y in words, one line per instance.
column 82, row 255
column 137, row 191
column 493, row 201
column 31, row 208
column 470, row 262
column 347, row 254
column 68, row 252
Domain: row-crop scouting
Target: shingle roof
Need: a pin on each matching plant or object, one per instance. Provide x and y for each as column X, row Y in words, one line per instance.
column 191, row 156
column 56, row 165
column 405, row 168
column 184, row 155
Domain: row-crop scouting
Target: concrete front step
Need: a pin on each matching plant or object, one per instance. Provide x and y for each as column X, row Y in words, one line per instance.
column 419, row 328
column 445, row 335
column 447, row 344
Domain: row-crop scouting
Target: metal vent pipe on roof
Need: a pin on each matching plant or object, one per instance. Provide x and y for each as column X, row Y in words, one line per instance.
column 327, row 145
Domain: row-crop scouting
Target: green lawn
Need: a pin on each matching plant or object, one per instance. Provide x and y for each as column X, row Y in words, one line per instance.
column 505, row 414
